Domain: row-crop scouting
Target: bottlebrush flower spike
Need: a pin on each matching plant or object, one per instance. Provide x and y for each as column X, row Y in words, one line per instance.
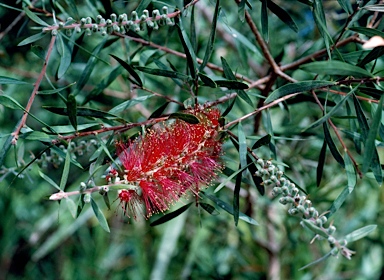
column 170, row 160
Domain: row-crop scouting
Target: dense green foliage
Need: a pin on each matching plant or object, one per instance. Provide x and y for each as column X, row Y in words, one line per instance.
column 296, row 83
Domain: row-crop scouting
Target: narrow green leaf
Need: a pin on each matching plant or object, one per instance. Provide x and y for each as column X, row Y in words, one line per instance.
column 229, row 108
column 90, row 66
column 67, row 163
column 32, row 39
column 320, row 164
column 225, row 181
column 34, row 17
column 372, row 55
column 103, row 84
column 362, row 120
column 351, row 172
column 332, row 146
column 171, row 215
column 338, row 202
column 265, row 140
column 351, row 176
column 297, row 87
column 100, row 216
column 211, row 40
column 65, row 56
column 256, row 179
column 241, row 10
column 38, row 51
column 314, row 228
column 346, row 5
column 11, row 8
column 337, row 68
column 129, row 103
column 61, row 153
column 370, row 148
column 188, row 49
column 72, row 110
column 106, row 201
column 64, row 129
column 375, row 8
column 105, row 148
column 209, row 208
column 192, row 28
column 159, row 111
column 81, row 112
column 49, row 180
column 10, row 102
column 323, row 258
column 38, row 136
column 164, row 67
column 71, row 207
column 130, row 70
column 228, row 208
column 207, row 80
column 189, row 118
column 236, row 197
column 7, row 81
column 360, row 233
column 282, row 15
column 163, row 73
column 321, row 23
column 242, row 146
column 264, row 20
column 332, row 111
column 230, row 76
column 370, row 32
column 142, row 6
column 53, row 91
column 269, row 128
column 231, row 84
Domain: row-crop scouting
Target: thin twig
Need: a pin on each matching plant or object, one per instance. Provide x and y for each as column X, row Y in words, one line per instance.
column 338, row 135
column 275, row 102
column 116, row 129
column 36, row 86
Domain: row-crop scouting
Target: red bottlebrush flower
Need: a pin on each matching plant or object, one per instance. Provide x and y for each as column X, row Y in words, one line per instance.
column 170, row 160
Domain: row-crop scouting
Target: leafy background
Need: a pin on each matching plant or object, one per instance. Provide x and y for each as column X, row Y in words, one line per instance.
column 40, row 238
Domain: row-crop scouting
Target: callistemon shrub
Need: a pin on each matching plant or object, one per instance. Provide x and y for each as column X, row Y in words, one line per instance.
column 169, row 161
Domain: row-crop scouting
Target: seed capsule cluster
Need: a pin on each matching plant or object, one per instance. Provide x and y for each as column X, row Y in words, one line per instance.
column 300, row 205
column 119, row 24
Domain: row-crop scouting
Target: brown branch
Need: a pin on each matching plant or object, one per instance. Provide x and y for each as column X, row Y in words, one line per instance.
column 179, row 54
column 264, row 48
column 355, row 38
column 275, row 102
column 14, row 22
column 36, row 86
column 116, row 129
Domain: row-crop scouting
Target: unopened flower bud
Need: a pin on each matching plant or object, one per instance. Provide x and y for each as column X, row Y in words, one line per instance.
column 331, row 240
column 331, row 229
column 113, row 17
column 87, row 198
